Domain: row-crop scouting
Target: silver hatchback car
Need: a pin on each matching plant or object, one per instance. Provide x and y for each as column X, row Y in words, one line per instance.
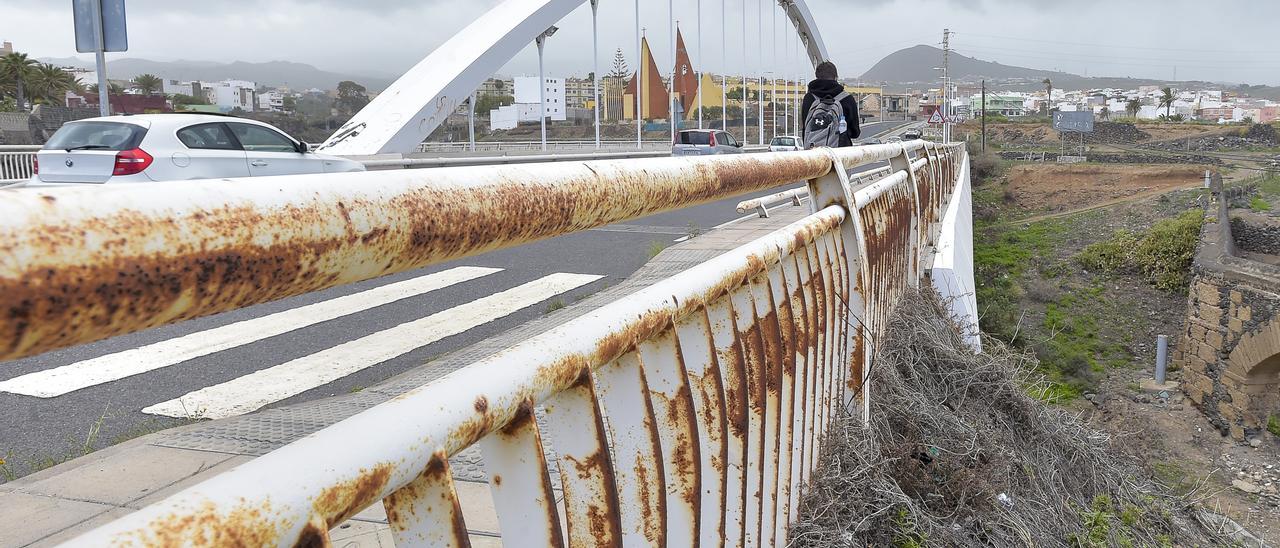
column 704, row 142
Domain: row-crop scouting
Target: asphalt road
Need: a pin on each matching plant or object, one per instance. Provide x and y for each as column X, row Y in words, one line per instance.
column 58, row 405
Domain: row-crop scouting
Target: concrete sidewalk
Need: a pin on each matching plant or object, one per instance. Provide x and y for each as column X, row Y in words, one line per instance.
column 62, row 502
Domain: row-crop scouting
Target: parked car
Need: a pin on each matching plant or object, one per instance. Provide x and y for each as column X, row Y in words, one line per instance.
column 784, row 143
column 704, row 142
column 912, row 134
column 172, row 147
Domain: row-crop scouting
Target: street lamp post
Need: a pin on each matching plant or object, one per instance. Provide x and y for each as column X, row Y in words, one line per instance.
column 542, row 84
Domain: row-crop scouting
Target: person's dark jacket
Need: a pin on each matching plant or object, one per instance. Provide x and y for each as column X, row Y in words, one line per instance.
column 825, row 89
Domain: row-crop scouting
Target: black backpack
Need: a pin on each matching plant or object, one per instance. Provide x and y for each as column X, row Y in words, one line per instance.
column 822, row 125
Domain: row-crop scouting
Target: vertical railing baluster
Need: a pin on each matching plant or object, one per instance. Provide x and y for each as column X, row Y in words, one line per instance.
column 575, row 429
column 426, row 511
column 757, row 344
column 521, row 483
column 671, row 398
column 697, row 333
column 732, row 348
column 777, row 418
column 638, row 473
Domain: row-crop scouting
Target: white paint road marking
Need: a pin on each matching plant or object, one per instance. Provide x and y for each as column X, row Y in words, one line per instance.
column 255, row 390
column 111, row 367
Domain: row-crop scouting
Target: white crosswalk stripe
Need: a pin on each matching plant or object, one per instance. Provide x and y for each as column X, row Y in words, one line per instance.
column 255, row 390
column 111, row 367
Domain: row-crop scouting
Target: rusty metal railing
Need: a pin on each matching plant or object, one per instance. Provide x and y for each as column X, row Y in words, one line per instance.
column 797, row 195
column 690, row 411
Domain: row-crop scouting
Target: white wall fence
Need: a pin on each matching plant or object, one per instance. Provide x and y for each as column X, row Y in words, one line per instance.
column 690, row 411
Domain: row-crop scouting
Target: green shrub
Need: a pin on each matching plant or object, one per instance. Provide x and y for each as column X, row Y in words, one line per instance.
column 1163, row 255
column 1111, row 255
column 1273, row 425
column 1258, row 204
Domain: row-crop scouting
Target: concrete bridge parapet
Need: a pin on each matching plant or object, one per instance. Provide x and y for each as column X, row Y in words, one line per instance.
column 1230, row 345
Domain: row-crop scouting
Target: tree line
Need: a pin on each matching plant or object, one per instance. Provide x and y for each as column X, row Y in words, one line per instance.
column 26, row 82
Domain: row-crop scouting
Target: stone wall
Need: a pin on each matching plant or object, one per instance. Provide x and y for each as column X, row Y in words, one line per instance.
column 1256, row 237
column 1229, row 351
column 1225, row 315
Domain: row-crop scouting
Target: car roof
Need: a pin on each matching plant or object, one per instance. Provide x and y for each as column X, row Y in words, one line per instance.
column 698, row 130
column 172, row 118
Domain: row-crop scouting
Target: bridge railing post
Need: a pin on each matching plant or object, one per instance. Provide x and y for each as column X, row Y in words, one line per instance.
column 834, row 188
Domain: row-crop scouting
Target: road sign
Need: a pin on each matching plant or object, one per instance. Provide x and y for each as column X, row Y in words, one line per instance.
column 1077, row 122
column 114, row 36
column 937, row 118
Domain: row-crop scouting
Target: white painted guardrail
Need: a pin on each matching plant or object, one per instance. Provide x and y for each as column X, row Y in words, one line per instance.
column 690, row 411
column 761, row 205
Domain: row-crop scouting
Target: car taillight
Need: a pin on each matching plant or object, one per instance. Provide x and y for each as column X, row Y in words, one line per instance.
column 713, row 139
column 131, row 162
column 35, row 165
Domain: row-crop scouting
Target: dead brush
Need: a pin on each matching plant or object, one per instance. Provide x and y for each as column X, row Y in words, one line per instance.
column 960, row 452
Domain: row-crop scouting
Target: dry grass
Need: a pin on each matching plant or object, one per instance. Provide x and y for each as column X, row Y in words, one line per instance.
column 961, row 452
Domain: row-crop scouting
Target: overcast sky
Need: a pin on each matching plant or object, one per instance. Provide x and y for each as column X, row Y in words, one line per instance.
column 1224, row 40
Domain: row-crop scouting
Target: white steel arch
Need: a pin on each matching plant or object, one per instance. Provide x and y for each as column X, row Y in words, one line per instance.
column 403, row 115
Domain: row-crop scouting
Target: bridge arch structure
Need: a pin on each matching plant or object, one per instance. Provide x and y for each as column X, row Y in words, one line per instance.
column 403, row 115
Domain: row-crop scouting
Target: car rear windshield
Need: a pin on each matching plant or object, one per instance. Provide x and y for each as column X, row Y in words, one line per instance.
column 96, row 136
column 784, row 142
column 695, row 138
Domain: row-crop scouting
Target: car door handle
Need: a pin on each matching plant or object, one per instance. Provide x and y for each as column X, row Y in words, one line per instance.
column 258, row 163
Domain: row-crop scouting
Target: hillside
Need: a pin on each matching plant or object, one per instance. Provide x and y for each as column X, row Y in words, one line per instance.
column 916, row 65
column 272, row 73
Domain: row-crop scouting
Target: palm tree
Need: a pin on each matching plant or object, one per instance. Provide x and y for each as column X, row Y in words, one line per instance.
column 1048, row 88
column 50, row 84
column 112, row 88
column 1132, row 107
column 1166, row 100
column 16, row 68
column 147, row 84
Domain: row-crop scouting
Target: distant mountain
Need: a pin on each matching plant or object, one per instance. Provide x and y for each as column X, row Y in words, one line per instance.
column 914, row 65
column 273, row 73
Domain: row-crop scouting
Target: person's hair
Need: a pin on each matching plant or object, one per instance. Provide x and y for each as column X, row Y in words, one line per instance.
column 826, row 71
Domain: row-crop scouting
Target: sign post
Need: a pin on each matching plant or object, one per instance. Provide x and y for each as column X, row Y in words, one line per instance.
column 100, row 27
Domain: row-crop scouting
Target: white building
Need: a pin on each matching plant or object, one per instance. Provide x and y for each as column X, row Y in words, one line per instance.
column 271, row 101
column 232, row 94
column 504, row 118
column 526, row 93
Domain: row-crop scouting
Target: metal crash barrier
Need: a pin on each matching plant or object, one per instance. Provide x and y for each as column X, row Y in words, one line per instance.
column 692, row 410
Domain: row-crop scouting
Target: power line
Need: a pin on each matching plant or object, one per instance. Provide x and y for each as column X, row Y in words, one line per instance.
column 1086, row 58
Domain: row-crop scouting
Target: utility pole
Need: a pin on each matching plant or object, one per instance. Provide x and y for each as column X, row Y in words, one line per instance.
column 639, row 80
column 724, row 66
column 760, row 66
column 595, row 62
column 746, row 138
column 946, row 85
column 984, row 115
column 700, row 61
column 675, row 62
